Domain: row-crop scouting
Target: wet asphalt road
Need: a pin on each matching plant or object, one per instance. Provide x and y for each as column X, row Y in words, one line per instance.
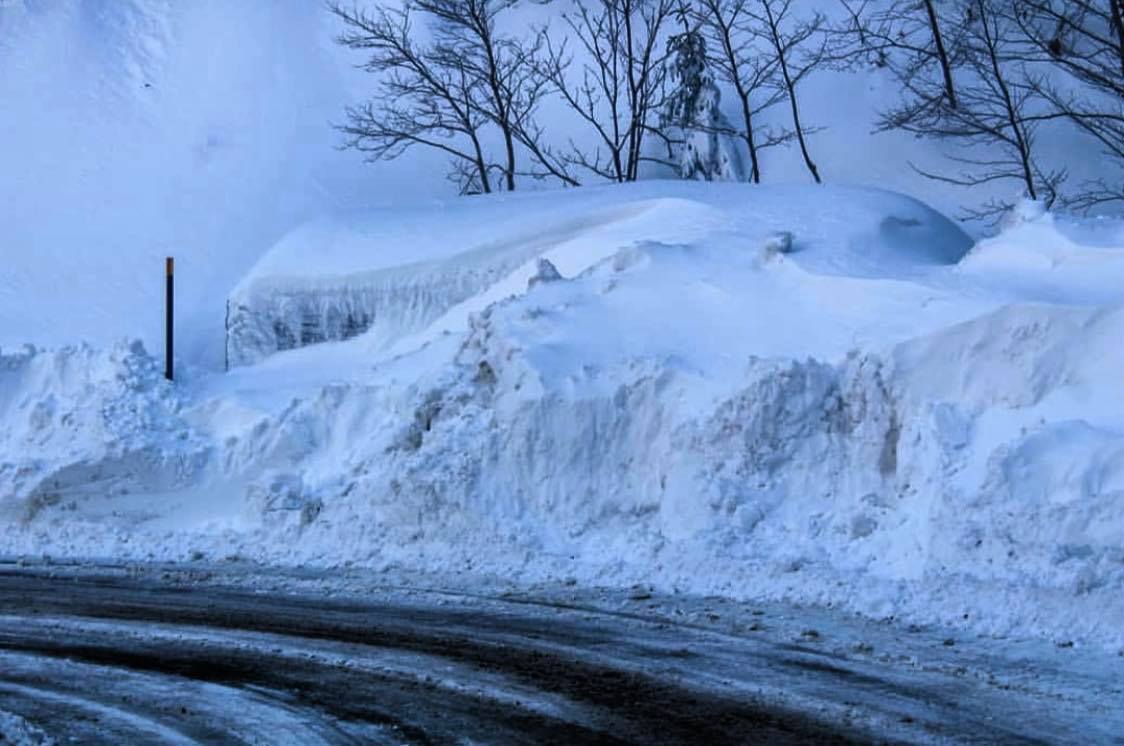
column 164, row 654
column 123, row 660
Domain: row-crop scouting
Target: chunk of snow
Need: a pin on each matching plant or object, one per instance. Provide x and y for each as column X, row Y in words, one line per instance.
column 778, row 243
column 545, row 271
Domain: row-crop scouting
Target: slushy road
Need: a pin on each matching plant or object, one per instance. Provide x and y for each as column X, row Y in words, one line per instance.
column 126, row 656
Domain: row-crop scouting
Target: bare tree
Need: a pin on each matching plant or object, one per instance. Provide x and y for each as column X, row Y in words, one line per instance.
column 738, row 54
column 420, row 101
column 468, row 85
column 908, row 36
column 1077, row 53
column 465, row 39
column 994, row 120
column 1083, row 37
column 616, row 88
column 798, row 48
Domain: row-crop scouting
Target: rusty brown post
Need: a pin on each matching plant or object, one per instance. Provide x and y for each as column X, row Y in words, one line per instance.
column 169, row 296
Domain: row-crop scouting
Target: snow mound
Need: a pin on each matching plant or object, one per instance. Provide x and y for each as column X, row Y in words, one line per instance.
column 85, row 422
column 986, row 454
column 1052, row 259
column 397, row 272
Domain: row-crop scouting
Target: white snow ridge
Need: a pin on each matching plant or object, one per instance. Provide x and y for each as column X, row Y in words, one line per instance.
column 818, row 394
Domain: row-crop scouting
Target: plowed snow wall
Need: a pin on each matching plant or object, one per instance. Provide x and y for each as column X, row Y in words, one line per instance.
column 275, row 315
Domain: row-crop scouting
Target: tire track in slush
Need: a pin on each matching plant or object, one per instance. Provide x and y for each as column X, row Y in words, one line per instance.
column 127, row 659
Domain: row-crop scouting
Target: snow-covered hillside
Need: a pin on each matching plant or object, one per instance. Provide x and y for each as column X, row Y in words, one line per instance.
column 134, row 129
column 861, row 417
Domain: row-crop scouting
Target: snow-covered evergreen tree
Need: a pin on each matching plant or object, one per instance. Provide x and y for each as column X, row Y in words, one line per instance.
column 692, row 115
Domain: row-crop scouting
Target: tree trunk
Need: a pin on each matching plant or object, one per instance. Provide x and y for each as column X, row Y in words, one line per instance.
column 774, row 32
column 1118, row 22
column 481, row 166
column 633, row 94
column 743, row 95
column 503, row 115
column 509, row 143
column 747, row 116
column 1008, row 103
column 942, row 54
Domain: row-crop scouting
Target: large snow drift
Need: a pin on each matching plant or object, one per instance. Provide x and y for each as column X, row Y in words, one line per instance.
column 398, row 271
column 690, row 398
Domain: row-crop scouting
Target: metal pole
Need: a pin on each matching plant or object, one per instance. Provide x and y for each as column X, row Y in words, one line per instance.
column 169, row 296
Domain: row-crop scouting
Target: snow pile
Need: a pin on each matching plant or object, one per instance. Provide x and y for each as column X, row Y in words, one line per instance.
column 982, row 458
column 85, row 422
column 1052, row 259
column 801, row 393
column 399, row 271
column 1024, row 406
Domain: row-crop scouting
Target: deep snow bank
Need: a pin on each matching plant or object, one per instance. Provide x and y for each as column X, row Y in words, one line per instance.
column 85, row 422
column 399, row 271
column 680, row 404
column 971, row 473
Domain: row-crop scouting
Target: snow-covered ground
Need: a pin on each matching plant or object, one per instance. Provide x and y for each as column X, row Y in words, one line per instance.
column 825, row 395
column 135, row 129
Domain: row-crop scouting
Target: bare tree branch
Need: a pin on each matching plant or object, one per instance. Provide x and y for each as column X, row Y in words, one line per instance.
column 771, row 15
column 464, row 87
column 616, row 89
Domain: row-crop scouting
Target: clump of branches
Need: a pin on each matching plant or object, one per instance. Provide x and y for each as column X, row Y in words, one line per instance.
column 912, row 39
column 449, row 80
column 797, row 48
column 964, row 83
column 1076, row 50
column 468, row 86
column 616, row 88
column 984, row 76
column 995, row 119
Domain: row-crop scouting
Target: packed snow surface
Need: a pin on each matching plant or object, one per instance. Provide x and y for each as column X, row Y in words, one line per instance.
column 819, row 394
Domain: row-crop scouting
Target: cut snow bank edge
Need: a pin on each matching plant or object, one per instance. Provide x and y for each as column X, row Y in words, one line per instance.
column 852, row 483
